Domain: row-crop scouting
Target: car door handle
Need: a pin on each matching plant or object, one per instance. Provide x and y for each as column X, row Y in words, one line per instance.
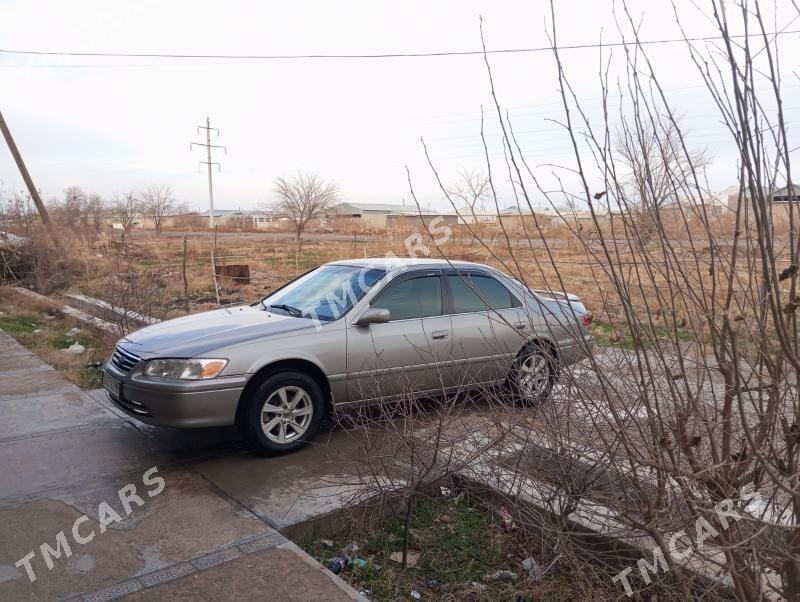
column 439, row 334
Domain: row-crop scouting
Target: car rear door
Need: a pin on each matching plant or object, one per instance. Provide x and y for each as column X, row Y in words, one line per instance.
column 409, row 354
column 488, row 326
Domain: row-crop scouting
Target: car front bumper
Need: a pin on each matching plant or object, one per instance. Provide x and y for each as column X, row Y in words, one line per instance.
column 181, row 404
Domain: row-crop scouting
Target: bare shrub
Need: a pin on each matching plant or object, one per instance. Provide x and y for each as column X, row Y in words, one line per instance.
column 135, row 294
column 79, row 213
column 676, row 442
column 695, row 404
column 28, row 253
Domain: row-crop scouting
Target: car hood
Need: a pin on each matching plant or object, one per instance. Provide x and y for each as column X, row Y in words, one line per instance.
column 192, row 335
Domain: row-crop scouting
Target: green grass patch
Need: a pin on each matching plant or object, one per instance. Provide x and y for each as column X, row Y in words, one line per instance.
column 19, row 324
column 606, row 336
column 90, row 378
column 458, row 545
column 45, row 334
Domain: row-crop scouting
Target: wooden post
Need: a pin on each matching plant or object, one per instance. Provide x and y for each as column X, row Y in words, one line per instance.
column 215, row 241
column 185, row 281
column 214, row 271
column 23, row 170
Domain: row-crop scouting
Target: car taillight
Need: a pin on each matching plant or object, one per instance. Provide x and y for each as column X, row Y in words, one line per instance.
column 586, row 319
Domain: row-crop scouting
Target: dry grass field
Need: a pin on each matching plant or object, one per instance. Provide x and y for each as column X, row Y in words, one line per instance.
column 173, row 274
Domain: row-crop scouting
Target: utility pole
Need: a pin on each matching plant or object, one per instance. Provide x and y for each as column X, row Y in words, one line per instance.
column 24, row 172
column 208, row 146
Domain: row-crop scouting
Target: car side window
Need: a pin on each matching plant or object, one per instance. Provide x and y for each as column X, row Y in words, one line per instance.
column 414, row 298
column 490, row 293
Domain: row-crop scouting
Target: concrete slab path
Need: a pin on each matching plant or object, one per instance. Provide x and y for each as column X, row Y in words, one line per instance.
column 101, row 507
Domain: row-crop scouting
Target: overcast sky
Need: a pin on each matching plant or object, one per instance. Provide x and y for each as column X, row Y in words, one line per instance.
column 111, row 124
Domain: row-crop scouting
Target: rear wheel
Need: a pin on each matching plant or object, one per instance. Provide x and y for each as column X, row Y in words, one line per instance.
column 282, row 414
column 534, row 374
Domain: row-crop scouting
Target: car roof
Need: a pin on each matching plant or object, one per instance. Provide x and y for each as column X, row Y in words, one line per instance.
column 391, row 264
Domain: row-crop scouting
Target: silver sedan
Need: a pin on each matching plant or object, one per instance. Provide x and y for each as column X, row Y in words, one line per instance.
column 344, row 334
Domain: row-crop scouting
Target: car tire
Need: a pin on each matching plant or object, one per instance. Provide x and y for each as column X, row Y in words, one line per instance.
column 533, row 375
column 282, row 414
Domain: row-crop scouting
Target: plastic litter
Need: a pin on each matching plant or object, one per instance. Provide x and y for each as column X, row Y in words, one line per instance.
column 501, row 575
column 534, row 569
column 75, row 349
column 506, row 518
column 411, row 558
column 359, row 562
column 338, row 564
column 326, row 543
column 72, row 332
column 415, row 594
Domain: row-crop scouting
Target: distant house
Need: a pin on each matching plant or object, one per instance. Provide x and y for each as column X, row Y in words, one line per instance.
column 575, row 219
column 785, row 203
column 544, row 217
column 781, row 201
column 706, row 204
column 473, row 215
column 221, row 214
column 383, row 215
column 246, row 220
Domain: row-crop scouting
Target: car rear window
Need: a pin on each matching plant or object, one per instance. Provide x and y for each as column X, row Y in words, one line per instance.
column 469, row 292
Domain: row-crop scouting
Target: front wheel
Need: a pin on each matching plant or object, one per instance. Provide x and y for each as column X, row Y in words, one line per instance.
column 533, row 375
column 282, row 414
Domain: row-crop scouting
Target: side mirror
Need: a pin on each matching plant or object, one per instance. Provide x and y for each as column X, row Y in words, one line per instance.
column 374, row 315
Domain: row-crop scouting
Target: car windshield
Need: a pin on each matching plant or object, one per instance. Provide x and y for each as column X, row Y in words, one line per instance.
column 326, row 293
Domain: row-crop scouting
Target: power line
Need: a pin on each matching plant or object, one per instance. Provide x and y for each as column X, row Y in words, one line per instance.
column 386, row 55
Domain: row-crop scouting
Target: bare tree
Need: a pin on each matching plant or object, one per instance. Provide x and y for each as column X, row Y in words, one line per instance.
column 94, row 212
column 71, row 207
column 126, row 207
column 657, row 170
column 158, row 204
column 80, row 212
column 471, row 189
column 304, row 198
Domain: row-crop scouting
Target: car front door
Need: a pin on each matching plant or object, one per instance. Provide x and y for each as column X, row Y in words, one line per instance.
column 410, row 353
column 488, row 326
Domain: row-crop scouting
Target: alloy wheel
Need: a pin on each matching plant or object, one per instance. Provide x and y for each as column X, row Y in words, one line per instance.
column 534, row 377
column 286, row 414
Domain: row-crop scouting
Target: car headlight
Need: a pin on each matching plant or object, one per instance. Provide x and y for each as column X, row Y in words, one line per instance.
column 195, row 369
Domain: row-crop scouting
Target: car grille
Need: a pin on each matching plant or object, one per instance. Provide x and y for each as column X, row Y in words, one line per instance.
column 124, row 360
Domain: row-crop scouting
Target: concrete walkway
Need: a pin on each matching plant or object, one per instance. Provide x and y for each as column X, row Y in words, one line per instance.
column 209, row 531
